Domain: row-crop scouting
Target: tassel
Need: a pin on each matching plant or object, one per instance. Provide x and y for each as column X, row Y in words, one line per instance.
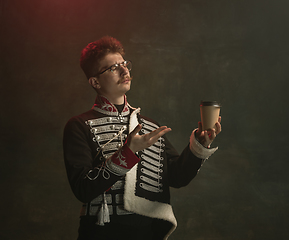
column 106, row 218
column 103, row 214
column 100, row 221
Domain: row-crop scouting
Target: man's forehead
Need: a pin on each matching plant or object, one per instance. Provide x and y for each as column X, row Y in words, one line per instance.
column 110, row 59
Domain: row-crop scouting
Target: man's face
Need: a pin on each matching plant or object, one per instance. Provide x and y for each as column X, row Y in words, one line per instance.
column 109, row 84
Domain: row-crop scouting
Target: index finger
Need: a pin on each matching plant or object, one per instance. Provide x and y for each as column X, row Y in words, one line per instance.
column 156, row 134
column 219, row 119
column 218, row 126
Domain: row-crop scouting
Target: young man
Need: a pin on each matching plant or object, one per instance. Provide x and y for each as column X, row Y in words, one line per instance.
column 118, row 162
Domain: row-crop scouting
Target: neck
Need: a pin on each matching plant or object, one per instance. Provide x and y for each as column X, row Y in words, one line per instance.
column 116, row 100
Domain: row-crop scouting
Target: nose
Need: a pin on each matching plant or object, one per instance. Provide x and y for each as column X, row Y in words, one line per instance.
column 123, row 70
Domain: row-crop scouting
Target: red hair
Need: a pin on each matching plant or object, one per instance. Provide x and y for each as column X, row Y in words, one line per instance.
column 95, row 51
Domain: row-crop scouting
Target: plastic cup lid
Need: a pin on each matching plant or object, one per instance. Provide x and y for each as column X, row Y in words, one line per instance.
column 210, row 103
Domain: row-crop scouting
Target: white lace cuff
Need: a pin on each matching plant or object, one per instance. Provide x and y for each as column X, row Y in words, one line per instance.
column 198, row 149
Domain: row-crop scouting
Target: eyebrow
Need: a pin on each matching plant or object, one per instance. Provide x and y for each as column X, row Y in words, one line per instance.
column 106, row 67
column 103, row 68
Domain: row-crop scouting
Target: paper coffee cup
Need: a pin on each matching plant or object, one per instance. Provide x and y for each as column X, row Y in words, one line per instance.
column 210, row 111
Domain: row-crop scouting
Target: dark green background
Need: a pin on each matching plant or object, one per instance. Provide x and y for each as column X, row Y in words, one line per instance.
column 184, row 51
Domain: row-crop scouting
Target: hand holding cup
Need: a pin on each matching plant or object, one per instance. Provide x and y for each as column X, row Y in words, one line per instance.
column 210, row 124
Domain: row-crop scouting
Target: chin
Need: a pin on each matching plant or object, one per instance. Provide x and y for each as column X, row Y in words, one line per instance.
column 128, row 88
column 127, row 84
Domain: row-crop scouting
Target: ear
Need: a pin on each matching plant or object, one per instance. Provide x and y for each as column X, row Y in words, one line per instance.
column 93, row 81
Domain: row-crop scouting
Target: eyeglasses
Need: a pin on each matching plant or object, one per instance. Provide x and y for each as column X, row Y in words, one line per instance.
column 115, row 67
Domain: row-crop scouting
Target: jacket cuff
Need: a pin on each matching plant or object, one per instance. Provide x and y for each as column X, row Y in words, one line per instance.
column 122, row 161
column 198, row 149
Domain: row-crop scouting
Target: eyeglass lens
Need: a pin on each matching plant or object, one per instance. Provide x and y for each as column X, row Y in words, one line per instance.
column 126, row 64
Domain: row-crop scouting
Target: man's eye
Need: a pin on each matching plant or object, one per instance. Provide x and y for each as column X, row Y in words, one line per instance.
column 114, row 67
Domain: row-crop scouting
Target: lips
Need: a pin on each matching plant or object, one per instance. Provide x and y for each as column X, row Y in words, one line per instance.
column 125, row 80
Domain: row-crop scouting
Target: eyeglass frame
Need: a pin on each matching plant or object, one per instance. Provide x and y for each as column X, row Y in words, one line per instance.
column 117, row 65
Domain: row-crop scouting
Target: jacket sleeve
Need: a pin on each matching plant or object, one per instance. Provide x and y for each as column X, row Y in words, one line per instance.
column 183, row 168
column 87, row 175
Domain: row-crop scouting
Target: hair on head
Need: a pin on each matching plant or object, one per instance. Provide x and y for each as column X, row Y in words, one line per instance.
column 95, row 51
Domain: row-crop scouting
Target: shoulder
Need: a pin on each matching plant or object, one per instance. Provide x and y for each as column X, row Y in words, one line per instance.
column 81, row 119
